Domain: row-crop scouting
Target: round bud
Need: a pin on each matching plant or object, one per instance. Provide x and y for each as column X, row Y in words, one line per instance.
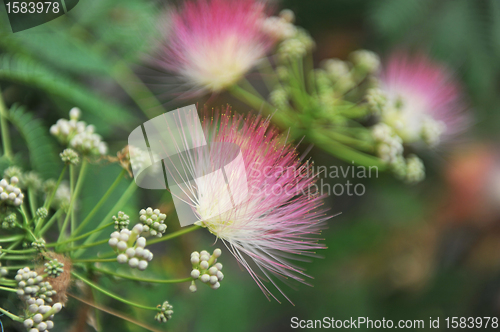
column 122, row 245
column 195, row 273
column 28, row 323
column 113, row 242
column 57, row 307
column 141, row 242
column 195, row 259
column 213, row 280
column 37, row 318
column 142, row 265
column 42, row 326
column 130, row 252
column 205, row 278
column 122, row 258
column 204, row 265
column 217, row 252
column 215, row 286
column 133, row 262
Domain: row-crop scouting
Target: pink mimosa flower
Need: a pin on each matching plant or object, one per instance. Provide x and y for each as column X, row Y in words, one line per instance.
column 281, row 213
column 426, row 98
column 213, row 43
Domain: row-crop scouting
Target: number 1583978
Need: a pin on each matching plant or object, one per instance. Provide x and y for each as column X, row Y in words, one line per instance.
column 32, row 7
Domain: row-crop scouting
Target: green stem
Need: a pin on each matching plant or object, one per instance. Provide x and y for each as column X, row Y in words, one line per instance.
column 258, row 103
column 121, row 202
column 84, row 246
column 100, row 203
column 8, row 289
column 13, row 251
column 95, row 260
column 130, row 277
column 344, row 152
column 49, row 223
column 175, row 234
column 116, row 297
column 32, row 199
column 79, row 237
column 13, row 245
column 72, row 191
column 17, row 267
column 25, row 216
column 11, row 238
column 79, row 183
column 49, row 201
column 11, row 316
column 17, row 258
column 7, row 150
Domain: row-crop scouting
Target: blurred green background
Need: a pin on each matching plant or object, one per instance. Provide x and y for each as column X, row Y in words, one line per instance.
column 399, row 252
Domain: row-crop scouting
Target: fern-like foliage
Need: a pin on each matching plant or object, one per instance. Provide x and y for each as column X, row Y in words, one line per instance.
column 42, row 150
column 23, row 70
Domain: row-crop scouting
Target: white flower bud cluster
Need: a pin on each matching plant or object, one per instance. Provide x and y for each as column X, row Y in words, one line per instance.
column 41, row 315
column 69, row 156
column 54, row 268
column 122, row 221
column 365, row 61
column 31, row 180
column 389, row 145
column 415, row 169
column 42, row 213
column 206, row 269
column 3, row 271
column 279, row 97
column 432, row 131
column 336, row 69
column 153, row 222
column 130, row 247
column 278, row 28
column 9, row 221
column 88, row 142
column 39, row 244
column 282, row 73
column 292, row 48
column 376, row 100
column 335, row 77
column 64, row 130
column 166, row 312
column 12, row 171
column 78, row 134
column 140, row 159
column 10, row 193
column 31, row 286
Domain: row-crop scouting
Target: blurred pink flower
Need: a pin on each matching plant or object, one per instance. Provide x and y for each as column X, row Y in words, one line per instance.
column 213, row 43
column 281, row 214
column 427, row 96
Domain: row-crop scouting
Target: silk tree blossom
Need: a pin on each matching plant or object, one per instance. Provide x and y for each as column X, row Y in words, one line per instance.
column 277, row 220
column 213, row 43
column 423, row 100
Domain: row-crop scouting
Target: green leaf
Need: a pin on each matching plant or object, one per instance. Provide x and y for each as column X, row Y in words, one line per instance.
column 26, row 71
column 42, row 149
